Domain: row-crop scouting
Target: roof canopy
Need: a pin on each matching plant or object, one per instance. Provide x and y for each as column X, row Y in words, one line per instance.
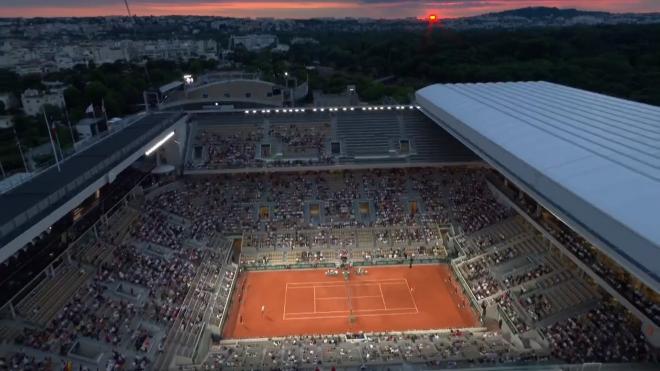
column 591, row 159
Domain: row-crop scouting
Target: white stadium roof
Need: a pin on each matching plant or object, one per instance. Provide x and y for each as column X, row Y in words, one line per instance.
column 593, row 160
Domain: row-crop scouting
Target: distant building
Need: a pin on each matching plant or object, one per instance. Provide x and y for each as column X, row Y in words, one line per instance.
column 6, row 122
column 29, row 68
column 280, row 48
column 253, row 42
column 303, row 40
column 225, row 88
column 238, row 91
column 348, row 98
column 33, row 100
column 8, row 100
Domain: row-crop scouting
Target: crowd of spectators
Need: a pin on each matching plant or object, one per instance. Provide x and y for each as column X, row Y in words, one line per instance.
column 131, row 285
column 605, row 334
column 156, row 228
column 622, row 283
column 229, row 149
column 361, row 350
column 474, row 207
column 588, row 254
column 302, row 140
column 532, row 274
column 275, row 208
column 236, row 147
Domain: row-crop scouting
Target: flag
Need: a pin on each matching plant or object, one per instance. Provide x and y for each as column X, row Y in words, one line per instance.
column 90, row 109
column 53, row 129
column 105, row 114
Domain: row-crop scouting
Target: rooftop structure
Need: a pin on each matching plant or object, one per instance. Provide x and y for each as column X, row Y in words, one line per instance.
column 593, row 160
column 31, row 207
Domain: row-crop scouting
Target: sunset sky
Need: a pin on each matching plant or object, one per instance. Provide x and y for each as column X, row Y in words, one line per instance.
column 303, row 9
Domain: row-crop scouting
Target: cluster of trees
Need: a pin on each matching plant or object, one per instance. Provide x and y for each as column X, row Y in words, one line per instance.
column 621, row 61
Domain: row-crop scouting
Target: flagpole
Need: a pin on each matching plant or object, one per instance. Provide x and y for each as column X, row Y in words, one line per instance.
column 59, row 145
column 50, row 135
column 20, row 150
column 66, row 115
column 105, row 114
column 2, row 170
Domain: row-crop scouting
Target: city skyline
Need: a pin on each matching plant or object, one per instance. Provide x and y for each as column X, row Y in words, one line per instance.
column 306, row 9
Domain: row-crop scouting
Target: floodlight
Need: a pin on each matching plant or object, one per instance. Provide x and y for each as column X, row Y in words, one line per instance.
column 159, row 143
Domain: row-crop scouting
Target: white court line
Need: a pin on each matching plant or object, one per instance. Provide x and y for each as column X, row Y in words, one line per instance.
column 322, row 283
column 344, row 316
column 347, row 311
column 350, row 284
column 394, row 283
column 346, row 297
column 343, row 285
column 286, row 291
column 325, row 284
column 411, row 296
column 381, row 295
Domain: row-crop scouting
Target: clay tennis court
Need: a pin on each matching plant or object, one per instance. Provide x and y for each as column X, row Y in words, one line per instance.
column 304, row 302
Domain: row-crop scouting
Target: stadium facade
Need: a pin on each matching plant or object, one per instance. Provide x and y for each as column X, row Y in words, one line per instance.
column 590, row 161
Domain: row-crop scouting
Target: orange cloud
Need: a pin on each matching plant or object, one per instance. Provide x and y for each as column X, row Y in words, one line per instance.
column 314, row 8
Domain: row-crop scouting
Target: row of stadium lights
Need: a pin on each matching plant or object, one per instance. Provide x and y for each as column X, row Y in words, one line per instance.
column 331, row 109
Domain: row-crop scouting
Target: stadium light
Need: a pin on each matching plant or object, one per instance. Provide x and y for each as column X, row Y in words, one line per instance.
column 352, row 108
column 344, row 109
column 159, row 143
column 381, row 108
column 364, row 109
column 418, row 107
column 247, row 112
column 254, row 111
column 314, row 109
column 411, row 107
column 389, row 107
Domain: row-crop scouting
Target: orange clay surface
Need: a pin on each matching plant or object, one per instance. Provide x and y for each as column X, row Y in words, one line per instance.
column 303, row 302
